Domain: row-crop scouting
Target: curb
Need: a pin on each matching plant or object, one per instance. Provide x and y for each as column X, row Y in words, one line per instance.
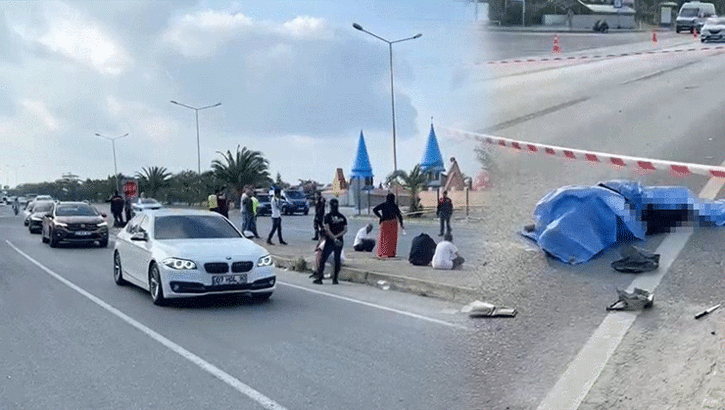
column 395, row 282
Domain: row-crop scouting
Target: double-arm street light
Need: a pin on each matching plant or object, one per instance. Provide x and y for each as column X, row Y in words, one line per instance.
column 198, row 149
column 113, row 143
column 392, row 93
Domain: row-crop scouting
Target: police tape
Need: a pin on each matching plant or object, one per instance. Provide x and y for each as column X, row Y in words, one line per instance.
column 639, row 164
column 595, row 56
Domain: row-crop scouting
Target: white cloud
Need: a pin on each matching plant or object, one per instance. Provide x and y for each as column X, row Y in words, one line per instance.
column 76, row 36
column 201, row 34
column 41, row 114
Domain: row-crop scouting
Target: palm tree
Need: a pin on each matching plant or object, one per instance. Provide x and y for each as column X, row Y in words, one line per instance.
column 152, row 179
column 414, row 181
column 241, row 168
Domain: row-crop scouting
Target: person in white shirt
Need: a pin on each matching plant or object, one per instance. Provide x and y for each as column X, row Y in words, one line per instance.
column 446, row 255
column 364, row 242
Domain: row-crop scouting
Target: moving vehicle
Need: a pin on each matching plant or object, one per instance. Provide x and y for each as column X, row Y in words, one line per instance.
column 713, row 30
column 74, row 222
column 692, row 16
column 145, row 204
column 36, row 213
column 176, row 253
column 294, row 201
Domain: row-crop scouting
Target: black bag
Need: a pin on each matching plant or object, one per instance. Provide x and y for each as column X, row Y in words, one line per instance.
column 422, row 250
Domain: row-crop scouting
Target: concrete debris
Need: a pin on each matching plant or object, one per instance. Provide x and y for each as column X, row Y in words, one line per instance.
column 707, row 311
column 483, row 309
column 383, row 284
column 639, row 299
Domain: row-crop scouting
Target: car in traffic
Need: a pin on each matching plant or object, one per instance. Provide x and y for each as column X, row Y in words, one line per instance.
column 293, row 202
column 175, row 253
column 74, row 222
column 36, row 213
column 265, row 204
column 713, row 30
column 692, row 16
column 145, row 204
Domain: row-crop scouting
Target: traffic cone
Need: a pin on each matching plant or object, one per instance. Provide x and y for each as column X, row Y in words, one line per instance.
column 654, row 36
column 556, row 49
column 694, row 32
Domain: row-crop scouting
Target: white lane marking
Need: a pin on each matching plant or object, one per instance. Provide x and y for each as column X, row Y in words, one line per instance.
column 263, row 400
column 373, row 305
column 574, row 385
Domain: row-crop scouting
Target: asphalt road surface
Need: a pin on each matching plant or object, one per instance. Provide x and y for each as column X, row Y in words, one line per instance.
column 305, row 349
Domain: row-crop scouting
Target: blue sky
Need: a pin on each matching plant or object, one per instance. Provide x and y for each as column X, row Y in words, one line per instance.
column 295, row 79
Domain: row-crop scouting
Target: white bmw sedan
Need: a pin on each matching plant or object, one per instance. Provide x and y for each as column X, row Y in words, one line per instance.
column 179, row 253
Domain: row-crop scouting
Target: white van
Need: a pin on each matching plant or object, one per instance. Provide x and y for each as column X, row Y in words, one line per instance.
column 692, row 16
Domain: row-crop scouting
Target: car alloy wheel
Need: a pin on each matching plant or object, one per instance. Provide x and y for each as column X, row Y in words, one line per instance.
column 155, row 288
column 118, row 270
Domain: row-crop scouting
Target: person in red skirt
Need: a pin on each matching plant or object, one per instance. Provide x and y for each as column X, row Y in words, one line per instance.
column 390, row 216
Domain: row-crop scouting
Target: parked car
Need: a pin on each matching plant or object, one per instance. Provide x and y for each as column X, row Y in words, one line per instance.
column 692, row 16
column 74, row 222
column 145, row 204
column 176, row 253
column 713, row 30
column 294, row 201
column 36, row 213
column 265, row 204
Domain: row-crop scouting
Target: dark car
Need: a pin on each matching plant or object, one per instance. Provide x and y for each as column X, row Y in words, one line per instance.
column 75, row 222
column 36, row 213
column 265, row 204
column 294, row 201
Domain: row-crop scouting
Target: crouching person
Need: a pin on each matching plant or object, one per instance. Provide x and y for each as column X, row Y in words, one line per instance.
column 446, row 255
column 364, row 242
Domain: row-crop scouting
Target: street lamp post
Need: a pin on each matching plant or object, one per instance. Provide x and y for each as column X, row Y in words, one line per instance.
column 196, row 110
column 113, row 143
column 392, row 93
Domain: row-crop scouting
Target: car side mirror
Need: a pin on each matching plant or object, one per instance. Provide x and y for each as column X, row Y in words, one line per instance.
column 140, row 236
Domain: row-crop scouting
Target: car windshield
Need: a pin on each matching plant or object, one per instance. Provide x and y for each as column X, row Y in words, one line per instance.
column 148, row 201
column 193, row 227
column 263, row 198
column 294, row 195
column 689, row 13
column 76, row 210
column 716, row 21
column 42, row 206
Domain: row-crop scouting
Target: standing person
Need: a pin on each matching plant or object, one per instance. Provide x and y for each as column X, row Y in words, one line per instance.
column 117, row 208
column 319, row 215
column 253, row 222
column 444, row 212
column 389, row 215
column 223, row 202
column 276, row 217
column 213, row 201
column 243, row 210
column 248, row 209
column 364, row 242
column 335, row 227
column 446, row 256
column 16, row 205
column 127, row 208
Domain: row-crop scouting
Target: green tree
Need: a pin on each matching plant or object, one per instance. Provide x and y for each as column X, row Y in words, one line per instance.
column 278, row 182
column 241, row 168
column 153, row 179
column 414, row 181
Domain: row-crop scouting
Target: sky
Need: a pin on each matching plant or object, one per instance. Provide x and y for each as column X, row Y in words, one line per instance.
column 295, row 81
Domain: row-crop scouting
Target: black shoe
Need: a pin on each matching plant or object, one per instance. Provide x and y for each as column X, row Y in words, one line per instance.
column 335, row 282
column 283, row 242
column 440, row 234
column 315, row 238
column 314, row 275
column 317, row 281
column 269, row 242
column 258, row 237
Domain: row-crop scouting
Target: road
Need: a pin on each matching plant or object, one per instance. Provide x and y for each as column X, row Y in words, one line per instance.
column 305, row 349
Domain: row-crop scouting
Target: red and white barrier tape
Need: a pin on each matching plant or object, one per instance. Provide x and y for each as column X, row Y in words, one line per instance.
column 596, row 56
column 645, row 165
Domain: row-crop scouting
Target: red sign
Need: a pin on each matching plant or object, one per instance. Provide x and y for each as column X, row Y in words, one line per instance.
column 130, row 189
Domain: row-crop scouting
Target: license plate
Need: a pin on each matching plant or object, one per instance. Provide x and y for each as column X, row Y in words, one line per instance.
column 228, row 280
column 84, row 233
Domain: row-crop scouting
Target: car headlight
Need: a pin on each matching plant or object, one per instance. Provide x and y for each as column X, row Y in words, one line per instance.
column 36, row 218
column 265, row 260
column 179, row 264
column 102, row 224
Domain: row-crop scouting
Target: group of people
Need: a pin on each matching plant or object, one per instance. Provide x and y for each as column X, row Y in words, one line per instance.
column 218, row 202
column 119, row 207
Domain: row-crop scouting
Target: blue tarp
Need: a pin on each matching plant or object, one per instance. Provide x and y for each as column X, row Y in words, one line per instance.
column 575, row 223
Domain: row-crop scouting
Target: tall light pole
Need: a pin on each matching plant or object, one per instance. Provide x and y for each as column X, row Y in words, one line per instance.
column 113, row 143
column 392, row 92
column 196, row 110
